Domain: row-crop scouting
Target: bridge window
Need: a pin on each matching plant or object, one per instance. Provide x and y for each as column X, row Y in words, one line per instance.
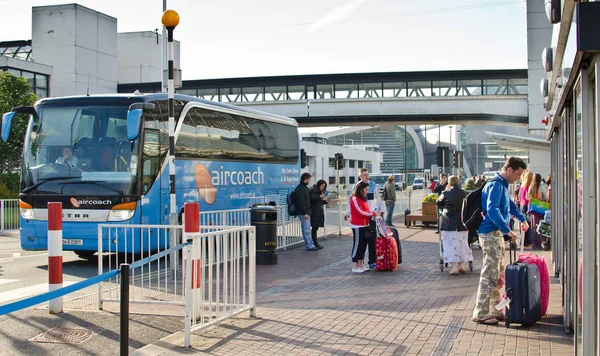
column 345, row 91
column 191, row 92
column 394, row 90
column 419, row 88
column 517, row 86
column 469, row 87
column 231, row 95
column 252, row 94
column 209, row 94
column 444, row 88
column 325, row 91
column 495, row 86
column 296, row 92
column 370, row 90
column 275, row 93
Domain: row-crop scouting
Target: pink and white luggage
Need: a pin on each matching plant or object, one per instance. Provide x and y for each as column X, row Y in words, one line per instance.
column 540, row 261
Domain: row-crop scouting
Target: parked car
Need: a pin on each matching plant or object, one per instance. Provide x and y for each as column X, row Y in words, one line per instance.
column 418, row 183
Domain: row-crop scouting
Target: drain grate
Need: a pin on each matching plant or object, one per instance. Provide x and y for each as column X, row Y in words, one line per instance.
column 64, row 335
column 444, row 344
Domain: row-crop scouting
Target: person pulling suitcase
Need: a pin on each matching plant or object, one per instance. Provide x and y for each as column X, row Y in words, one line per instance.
column 497, row 207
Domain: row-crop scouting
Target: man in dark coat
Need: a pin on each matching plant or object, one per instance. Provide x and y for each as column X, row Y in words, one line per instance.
column 302, row 202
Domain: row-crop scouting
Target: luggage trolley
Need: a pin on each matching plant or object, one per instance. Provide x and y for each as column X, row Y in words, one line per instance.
column 442, row 264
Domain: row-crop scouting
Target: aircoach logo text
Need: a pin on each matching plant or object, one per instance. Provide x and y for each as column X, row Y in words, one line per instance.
column 233, row 177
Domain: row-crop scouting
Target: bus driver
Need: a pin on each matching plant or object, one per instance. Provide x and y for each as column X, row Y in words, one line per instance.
column 67, row 158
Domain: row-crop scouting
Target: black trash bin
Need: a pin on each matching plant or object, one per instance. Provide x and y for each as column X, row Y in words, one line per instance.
column 264, row 218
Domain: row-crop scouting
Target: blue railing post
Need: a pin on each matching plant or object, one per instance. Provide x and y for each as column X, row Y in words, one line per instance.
column 124, row 317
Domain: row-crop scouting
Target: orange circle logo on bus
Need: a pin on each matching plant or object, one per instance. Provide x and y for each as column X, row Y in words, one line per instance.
column 204, row 183
column 74, row 202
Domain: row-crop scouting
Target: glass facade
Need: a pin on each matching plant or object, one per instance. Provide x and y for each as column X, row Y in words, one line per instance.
column 39, row 82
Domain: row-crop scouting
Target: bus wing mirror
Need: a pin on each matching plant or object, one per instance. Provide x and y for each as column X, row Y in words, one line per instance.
column 8, row 118
column 134, row 122
column 6, row 124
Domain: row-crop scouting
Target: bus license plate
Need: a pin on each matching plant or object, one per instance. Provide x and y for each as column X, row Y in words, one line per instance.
column 78, row 242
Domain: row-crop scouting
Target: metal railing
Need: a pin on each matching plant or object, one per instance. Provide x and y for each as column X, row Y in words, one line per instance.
column 289, row 231
column 9, row 215
column 223, row 278
column 158, row 282
column 221, row 261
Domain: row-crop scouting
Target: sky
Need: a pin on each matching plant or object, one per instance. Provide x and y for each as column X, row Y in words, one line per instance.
column 246, row 38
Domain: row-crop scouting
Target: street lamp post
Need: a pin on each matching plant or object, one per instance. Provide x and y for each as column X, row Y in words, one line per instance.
column 170, row 19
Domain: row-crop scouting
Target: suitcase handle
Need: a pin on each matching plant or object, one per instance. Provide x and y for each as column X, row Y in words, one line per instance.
column 512, row 251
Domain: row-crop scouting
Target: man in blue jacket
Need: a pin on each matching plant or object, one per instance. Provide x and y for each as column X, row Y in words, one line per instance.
column 497, row 207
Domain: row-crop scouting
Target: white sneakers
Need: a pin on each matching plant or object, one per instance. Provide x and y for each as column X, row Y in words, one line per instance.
column 360, row 269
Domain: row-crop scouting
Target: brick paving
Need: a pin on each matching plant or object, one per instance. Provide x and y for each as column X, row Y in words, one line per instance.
column 311, row 304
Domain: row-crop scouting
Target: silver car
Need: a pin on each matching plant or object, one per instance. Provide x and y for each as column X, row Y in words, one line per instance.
column 418, row 183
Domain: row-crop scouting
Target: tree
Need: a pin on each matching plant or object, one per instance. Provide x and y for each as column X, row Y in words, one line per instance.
column 14, row 92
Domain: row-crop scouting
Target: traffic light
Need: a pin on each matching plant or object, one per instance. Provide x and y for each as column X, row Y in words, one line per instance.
column 339, row 158
column 442, row 156
column 303, row 158
column 457, row 159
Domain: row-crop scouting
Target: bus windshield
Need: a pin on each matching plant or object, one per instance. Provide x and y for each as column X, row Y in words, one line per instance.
column 79, row 150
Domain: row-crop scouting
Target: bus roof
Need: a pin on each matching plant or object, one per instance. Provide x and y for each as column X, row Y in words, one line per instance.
column 128, row 99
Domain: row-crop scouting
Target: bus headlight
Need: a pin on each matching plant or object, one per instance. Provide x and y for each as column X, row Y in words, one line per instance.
column 122, row 212
column 26, row 210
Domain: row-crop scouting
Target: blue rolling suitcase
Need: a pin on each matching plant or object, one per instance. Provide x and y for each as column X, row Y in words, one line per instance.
column 523, row 290
column 397, row 238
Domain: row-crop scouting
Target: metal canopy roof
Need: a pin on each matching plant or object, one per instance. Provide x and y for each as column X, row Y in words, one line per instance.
column 16, row 49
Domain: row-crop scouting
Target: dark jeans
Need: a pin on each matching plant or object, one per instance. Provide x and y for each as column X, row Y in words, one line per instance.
column 314, row 235
column 371, row 235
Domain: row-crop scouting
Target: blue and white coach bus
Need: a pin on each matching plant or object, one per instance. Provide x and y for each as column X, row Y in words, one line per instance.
column 226, row 157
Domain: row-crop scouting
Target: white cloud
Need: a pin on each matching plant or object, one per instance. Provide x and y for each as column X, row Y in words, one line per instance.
column 337, row 14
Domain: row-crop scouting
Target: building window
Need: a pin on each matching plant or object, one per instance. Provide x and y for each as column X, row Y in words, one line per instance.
column 38, row 82
column 361, row 164
column 331, row 180
column 352, row 163
column 331, row 162
column 342, row 180
column 352, row 180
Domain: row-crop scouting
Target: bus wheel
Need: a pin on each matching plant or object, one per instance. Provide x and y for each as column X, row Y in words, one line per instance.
column 86, row 255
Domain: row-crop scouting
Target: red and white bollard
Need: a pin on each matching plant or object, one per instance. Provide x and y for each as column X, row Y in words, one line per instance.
column 55, row 260
column 191, row 224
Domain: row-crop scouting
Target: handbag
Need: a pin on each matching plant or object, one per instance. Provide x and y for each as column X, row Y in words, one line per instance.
column 382, row 230
column 538, row 207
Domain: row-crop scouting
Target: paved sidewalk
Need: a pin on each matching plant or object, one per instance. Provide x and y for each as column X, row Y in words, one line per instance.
column 310, row 303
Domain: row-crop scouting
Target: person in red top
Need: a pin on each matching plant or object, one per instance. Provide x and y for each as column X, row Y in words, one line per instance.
column 360, row 215
column 432, row 185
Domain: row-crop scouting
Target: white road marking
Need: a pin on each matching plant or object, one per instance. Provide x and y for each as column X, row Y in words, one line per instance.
column 10, row 259
column 25, row 292
column 6, row 281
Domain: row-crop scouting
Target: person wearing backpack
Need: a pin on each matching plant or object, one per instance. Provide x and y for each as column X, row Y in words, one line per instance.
column 454, row 233
column 496, row 207
column 302, row 204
